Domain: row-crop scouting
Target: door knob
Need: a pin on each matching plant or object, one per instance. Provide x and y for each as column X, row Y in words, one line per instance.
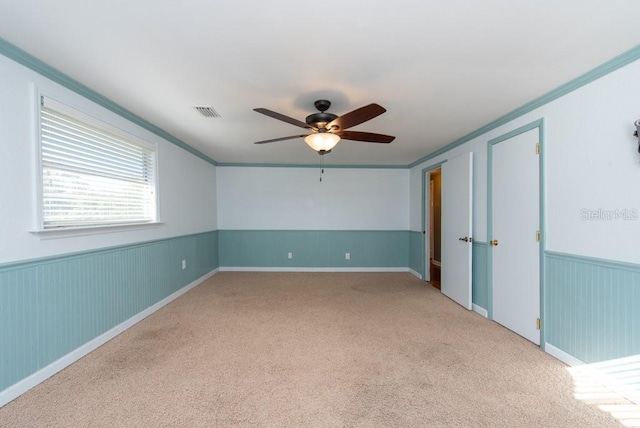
column 494, row 242
column 465, row 239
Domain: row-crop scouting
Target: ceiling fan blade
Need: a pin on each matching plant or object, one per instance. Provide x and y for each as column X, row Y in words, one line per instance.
column 357, row 116
column 368, row 137
column 280, row 139
column 281, row 117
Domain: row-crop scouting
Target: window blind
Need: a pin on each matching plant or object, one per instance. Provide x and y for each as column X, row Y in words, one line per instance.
column 91, row 176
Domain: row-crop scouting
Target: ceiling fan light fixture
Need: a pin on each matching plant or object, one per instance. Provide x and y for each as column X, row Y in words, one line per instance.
column 322, row 141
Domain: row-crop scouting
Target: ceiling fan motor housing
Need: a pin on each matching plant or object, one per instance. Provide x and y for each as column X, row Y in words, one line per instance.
column 319, row 120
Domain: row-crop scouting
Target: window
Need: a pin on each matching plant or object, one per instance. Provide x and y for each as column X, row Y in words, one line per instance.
column 92, row 174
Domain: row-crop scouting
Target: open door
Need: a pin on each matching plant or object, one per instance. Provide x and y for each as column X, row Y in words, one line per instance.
column 457, row 177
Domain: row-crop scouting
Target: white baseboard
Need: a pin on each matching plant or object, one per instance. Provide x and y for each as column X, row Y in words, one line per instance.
column 480, row 310
column 416, row 274
column 311, row 269
column 562, row 356
column 19, row 388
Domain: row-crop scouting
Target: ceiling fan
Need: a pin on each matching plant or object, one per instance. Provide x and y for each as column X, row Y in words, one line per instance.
column 327, row 129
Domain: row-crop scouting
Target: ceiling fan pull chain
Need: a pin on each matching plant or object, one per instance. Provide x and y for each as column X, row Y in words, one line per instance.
column 321, row 167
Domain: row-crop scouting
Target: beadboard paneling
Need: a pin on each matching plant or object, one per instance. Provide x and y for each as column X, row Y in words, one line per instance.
column 313, row 248
column 479, row 274
column 592, row 307
column 50, row 307
column 416, row 252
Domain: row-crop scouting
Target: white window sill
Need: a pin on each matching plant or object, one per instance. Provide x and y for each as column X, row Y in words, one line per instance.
column 67, row 232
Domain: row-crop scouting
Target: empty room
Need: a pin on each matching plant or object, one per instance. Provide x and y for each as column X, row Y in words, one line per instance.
column 377, row 214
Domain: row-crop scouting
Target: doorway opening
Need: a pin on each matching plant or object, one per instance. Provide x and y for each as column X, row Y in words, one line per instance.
column 435, row 226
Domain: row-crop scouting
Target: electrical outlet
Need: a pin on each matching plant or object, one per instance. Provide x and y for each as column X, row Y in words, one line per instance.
column 184, row 264
column 347, row 256
column 290, row 255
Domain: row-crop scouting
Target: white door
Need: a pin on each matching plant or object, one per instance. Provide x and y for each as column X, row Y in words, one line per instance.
column 515, row 222
column 457, row 176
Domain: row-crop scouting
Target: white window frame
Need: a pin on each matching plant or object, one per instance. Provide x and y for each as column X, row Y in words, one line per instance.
column 74, row 230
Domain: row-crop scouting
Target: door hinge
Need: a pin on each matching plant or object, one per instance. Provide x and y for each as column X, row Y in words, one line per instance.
column 537, row 236
column 538, row 323
column 537, row 148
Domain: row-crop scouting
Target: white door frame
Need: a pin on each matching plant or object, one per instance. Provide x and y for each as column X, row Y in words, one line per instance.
column 425, row 217
column 540, row 125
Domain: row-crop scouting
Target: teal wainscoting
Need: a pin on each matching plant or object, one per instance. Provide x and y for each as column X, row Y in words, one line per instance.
column 416, row 252
column 313, row 248
column 479, row 275
column 50, row 307
column 592, row 307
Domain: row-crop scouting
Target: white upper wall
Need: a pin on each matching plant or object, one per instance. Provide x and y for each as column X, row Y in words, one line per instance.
column 592, row 166
column 295, row 199
column 187, row 190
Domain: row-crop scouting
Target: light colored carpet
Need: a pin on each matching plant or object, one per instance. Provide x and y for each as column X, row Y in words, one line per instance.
column 310, row 350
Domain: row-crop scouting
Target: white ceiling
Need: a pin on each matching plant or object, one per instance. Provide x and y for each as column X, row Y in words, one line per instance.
column 442, row 69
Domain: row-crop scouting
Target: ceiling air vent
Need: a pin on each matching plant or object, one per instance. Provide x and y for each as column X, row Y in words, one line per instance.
column 207, row 111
